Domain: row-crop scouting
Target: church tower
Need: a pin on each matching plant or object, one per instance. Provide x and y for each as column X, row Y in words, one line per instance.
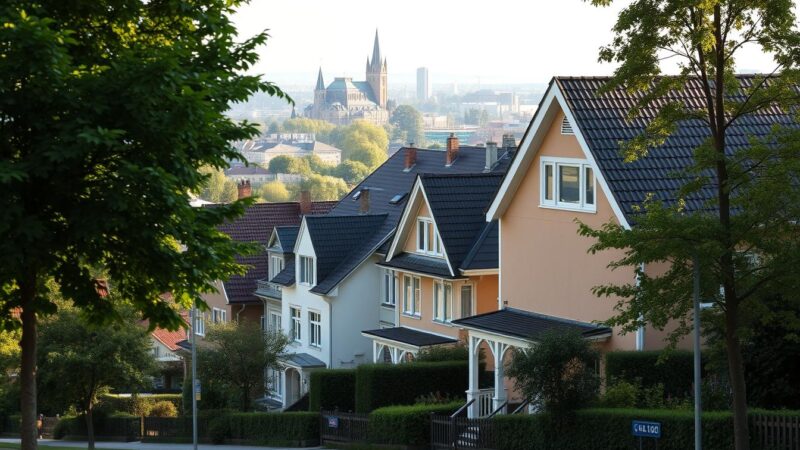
column 377, row 74
column 319, row 96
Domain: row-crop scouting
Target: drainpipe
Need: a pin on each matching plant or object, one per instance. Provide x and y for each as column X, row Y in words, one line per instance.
column 640, row 330
column 330, row 335
column 240, row 311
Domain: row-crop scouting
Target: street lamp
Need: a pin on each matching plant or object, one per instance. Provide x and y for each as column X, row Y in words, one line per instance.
column 194, row 375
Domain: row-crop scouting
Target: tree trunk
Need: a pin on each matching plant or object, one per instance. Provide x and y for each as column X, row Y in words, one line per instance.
column 90, row 427
column 741, row 432
column 29, row 432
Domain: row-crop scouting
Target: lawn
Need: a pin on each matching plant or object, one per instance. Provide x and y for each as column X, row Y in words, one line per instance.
column 48, row 447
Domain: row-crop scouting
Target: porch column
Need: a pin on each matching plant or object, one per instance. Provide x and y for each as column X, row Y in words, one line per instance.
column 474, row 367
column 375, row 349
column 499, row 350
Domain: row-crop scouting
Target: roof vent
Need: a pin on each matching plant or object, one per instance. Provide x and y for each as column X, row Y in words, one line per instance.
column 356, row 195
column 566, row 127
column 398, row 198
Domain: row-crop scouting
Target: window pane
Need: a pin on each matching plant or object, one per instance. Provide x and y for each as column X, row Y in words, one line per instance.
column 448, row 301
column 420, row 235
column 437, row 303
column 589, row 180
column 407, row 293
column 430, row 237
column 568, row 184
column 466, row 301
column 548, row 182
column 416, row 295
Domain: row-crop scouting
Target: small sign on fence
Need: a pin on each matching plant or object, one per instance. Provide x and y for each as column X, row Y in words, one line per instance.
column 197, row 389
column 333, row 422
column 641, row 428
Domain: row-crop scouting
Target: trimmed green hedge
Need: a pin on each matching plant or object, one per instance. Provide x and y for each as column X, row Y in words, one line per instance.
column 138, row 405
column 299, row 429
column 379, row 385
column 675, row 373
column 405, row 425
column 117, row 427
column 332, row 389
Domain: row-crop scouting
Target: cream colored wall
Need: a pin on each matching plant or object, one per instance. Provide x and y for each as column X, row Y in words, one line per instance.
column 655, row 339
column 545, row 266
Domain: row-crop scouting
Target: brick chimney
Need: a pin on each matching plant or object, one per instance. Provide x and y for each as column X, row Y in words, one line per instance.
column 244, row 189
column 305, row 203
column 411, row 157
column 452, row 149
column 491, row 155
column 363, row 207
column 509, row 143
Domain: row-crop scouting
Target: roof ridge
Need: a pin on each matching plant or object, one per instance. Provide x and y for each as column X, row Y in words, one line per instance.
column 460, row 175
column 557, row 318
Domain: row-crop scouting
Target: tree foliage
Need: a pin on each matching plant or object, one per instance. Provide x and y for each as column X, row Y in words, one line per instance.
column 123, row 103
column 408, row 125
column 274, row 191
column 745, row 238
column 238, row 357
column 364, row 142
column 217, row 188
column 324, row 187
column 352, row 172
column 557, row 373
column 320, row 128
column 289, row 164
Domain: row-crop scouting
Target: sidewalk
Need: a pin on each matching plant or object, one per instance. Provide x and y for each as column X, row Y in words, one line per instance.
column 44, row 443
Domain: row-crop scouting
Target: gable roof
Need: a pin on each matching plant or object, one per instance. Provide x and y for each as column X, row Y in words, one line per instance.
column 600, row 122
column 484, row 254
column 170, row 339
column 287, row 235
column 523, row 324
column 388, row 180
column 255, row 226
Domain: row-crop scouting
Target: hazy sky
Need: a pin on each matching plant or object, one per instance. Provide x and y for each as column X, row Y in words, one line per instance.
column 497, row 41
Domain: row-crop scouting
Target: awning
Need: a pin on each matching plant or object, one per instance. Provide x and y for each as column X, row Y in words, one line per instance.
column 529, row 326
column 301, row 361
column 408, row 336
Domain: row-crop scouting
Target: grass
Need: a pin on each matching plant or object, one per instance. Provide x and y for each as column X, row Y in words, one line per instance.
column 48, row 447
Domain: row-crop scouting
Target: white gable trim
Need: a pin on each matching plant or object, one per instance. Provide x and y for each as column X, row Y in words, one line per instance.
column 530, row 146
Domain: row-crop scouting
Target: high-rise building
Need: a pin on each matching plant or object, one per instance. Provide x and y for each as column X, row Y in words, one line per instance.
column 423, row 84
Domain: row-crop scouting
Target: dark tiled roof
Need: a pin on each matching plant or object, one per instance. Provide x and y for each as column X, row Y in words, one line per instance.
column 335, row 239
column 602, row 120
column 484, row 253
column 458, row 205
column 390, row 179
column 528, row 325
column 303, row 360
column 419, row 263
column 287, row 237
column 286, row 276
column 409, row 336
column 255, row 226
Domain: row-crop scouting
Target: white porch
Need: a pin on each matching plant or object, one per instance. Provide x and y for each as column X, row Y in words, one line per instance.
column 492, row 399
column 400, row 344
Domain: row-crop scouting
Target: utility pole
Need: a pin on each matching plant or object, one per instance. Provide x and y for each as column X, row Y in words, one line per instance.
column 698, row 406
column 194, row 375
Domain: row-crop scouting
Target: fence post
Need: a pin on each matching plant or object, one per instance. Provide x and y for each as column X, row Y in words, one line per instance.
column 453, row 433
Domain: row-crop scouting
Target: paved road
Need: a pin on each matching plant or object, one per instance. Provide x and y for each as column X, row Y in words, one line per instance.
column 44, row 443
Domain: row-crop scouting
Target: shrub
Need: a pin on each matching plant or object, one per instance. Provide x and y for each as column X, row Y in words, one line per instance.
column 675, row 372
column 444, row 353
column 163, row 409
column 285, row 429
column 405, row 425
column 138, row 405
column 120, row 425
column 379, row 385
column 332, row 389
column 621, row 394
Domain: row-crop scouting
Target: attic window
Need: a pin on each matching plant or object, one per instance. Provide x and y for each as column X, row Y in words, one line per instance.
column 398, row 198
column 566, row 127
column 357, row 195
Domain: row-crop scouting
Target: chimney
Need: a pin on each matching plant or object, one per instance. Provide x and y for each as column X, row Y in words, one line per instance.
column 491, row 155
column 509, row 143
column 452, row 150
column 244, row 189
column 363, row 199
column 411, row 157
column 305, row 203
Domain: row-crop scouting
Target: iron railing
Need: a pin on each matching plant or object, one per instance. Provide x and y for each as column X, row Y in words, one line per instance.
column 335, row 426
column 462, row 432
column 773, row 432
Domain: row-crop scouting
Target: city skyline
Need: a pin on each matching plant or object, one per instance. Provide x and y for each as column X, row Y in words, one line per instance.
column 463, row 42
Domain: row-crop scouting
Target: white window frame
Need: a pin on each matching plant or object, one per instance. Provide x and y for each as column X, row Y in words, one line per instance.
column 275, row 378
column 428, row 248
column 275, row 265
column 442, row 305
column 411, row 304
column 274, row 322
column 389, row 288
column 555, row 164
column 219, row 315
column 463, row 313
column 199, row 323
column 305, row 270
column 314, row 329
column 296, row 323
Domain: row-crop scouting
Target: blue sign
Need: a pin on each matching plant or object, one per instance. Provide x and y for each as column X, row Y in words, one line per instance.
column 333, row 422
column 641, row 428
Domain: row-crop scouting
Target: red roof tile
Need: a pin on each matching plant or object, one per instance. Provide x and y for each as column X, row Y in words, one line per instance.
column 171, row 338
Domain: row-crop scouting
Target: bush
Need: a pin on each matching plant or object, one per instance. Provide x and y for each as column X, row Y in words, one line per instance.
column 620, row 395
column 163, row 409
column 405, row 425
column 285, row 429
column 675, row 372
column 332, row 389
column 117, row 426
column 444, row 353
column 138, row 405
column 379, row 385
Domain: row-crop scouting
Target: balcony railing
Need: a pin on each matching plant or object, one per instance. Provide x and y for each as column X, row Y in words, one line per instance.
column 267, row 289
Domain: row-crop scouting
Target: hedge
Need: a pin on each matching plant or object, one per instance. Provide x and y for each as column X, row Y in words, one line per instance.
column 675, row 372
column 332, row 389
column 299, row 429
column 138, row 405
column 405, row 425
column 117, row 427
column 379, row 385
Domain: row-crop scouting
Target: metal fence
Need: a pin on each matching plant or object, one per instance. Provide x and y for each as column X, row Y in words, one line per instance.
column 343, row 427
column 462, row 432
column 776, row 432
column 171, row 427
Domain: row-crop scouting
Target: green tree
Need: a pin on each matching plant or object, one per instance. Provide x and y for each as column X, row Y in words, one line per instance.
column 217, row 188
column 323, row 187
column 274, row 127
column 408, row 124
column 274, row 191
column 352, row 172
column 321, row 129
column 289, row 164
column 9, row 367
column 557, row 373
column 364, row 142
column 123, row 103
column 240, row 354
column 318, row 166
column 742, row 253
column 79, row 361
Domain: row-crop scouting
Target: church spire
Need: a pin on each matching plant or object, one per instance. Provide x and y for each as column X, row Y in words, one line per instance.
column 376, row 52
column 320, row 83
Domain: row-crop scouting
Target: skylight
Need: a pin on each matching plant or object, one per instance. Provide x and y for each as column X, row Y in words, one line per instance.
column 398, row 198
column 356, row 195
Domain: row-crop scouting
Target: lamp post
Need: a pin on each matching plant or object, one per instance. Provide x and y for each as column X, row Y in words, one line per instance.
column 194, row 375
column 698, row 406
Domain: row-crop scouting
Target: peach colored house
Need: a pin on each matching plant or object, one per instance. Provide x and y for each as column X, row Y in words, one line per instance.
column 441, row 265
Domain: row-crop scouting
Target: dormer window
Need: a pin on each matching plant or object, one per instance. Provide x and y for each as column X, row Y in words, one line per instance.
column 275, row 265
column 306, row 270
column 568, row 184
column 427, row 238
